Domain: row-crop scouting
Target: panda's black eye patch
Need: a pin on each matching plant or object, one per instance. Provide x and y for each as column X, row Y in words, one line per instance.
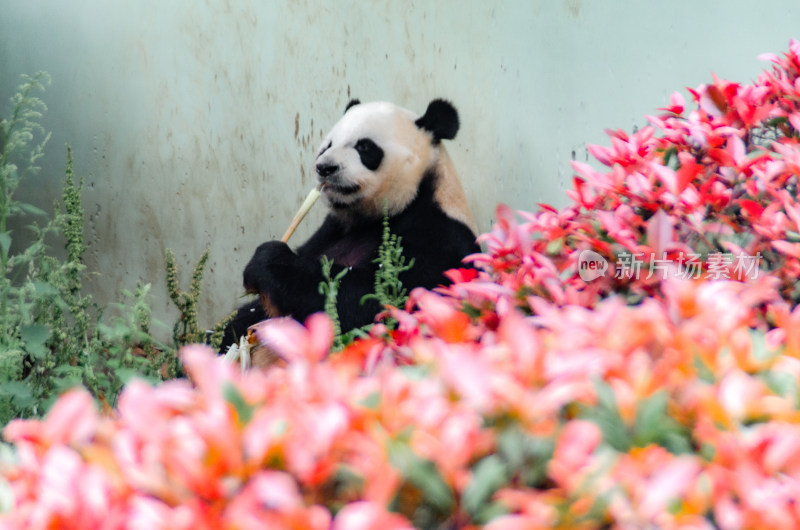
column 371, row 155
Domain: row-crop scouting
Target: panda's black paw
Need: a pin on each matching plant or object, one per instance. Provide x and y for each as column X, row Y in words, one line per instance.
column 262, row 273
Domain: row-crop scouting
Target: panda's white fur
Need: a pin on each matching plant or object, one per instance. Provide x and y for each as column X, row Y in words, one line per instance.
column 410, row 152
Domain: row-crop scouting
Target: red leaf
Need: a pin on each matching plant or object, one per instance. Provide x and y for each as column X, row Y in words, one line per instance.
column 751, row 207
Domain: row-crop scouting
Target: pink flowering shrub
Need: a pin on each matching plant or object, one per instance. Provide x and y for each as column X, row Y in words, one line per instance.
column 535, row 392
column 703, row 193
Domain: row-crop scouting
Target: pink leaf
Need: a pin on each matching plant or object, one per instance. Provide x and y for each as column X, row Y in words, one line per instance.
column 293, row 341
column 72, row 420
column 790, row 249
column 769, row 57
column 368, row 516
column 794, row 119
column 660, row 233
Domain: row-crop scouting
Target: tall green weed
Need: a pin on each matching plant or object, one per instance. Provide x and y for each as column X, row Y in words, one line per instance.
column 52, row 335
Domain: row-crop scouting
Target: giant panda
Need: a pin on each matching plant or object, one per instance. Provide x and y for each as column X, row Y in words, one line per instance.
column 378, row 155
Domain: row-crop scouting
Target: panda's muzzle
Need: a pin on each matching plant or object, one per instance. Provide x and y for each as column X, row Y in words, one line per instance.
column 326, row 170
column 331, row 184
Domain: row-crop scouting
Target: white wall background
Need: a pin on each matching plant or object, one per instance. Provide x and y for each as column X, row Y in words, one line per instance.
column 195, row 123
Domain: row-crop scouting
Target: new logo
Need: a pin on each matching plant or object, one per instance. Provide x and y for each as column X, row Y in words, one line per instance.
column 591, row 265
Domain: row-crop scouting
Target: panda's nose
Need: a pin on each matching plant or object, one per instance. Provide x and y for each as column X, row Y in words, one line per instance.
column 326, row 170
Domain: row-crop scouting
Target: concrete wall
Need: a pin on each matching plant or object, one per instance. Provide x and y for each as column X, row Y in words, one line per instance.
column 195, row 123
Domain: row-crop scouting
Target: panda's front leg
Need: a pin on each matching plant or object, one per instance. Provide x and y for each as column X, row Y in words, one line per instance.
column 287, row 284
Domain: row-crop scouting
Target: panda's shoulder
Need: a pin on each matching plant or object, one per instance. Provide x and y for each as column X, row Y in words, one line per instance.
column 425, row 209
column 426, row 222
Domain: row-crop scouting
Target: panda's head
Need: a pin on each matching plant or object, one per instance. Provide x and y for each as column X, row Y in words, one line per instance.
column 378, row 153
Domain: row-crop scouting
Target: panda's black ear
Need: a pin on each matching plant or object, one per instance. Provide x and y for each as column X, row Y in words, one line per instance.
column 353, row 103
column 440, row 119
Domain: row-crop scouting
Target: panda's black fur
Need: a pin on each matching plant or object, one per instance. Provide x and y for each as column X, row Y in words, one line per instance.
column 436, row 235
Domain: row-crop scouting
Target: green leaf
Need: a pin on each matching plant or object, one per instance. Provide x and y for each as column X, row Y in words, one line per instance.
column 471, row 311
column 782, row 383
column 704, row 372
column 650, row 416
column 489, row 475
column 5, row 241
column 761, row 350
column 775, row 122
column 422, row 474
column 372, row 401
column 670, row 156
column 415, row 372
column 35, row 336
column 113, row 363
column 676, row 440
column 490, row 511
column 792, row 236
column 606, row 415
column 44, row 289
column 554, row 247
column 31, row 209
column 19, row 392
column 511, row 445
column 525, row 456
column 126, row 374
column 236, row 399
column 653, row 425
column 62, row 384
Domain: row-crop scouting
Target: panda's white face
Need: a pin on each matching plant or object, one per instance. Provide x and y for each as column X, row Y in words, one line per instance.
column 375, row 154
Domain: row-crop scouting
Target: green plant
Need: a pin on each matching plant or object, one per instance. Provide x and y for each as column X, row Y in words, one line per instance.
column 187, row 329
column 215, row 339
column 389, row 290
column 330, row 290
column 52, row 336
column 126, row 348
